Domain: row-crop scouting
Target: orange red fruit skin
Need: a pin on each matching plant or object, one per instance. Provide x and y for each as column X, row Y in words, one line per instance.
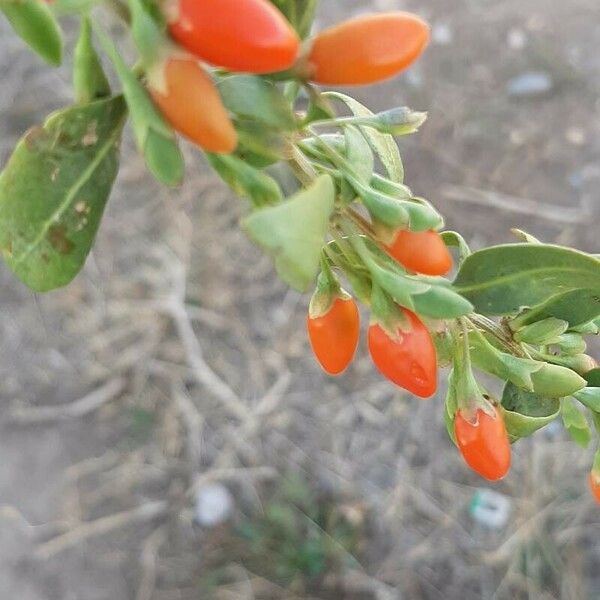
column 367, row 49
column 409, row 360
column 484, row 443
column 239, row 35
column 422, row 252
column 334, row 335
column 191, row 103
column 594, row 481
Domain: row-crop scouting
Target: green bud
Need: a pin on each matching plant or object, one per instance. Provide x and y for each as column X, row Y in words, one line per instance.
column 397, row 121
column 590, row 328
column 571, row 344
column 543, row 332
column 554, row 381
column 590, row 397
column 386, row 186
column 580, row 363
column 387, row 209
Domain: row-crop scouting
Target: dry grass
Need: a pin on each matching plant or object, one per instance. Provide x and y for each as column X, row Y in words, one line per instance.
column 209, row 375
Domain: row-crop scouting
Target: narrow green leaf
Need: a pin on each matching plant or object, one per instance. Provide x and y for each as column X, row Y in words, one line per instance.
column 593, row 377
column 149, row 39
column 89, row 80
column 54, row 190
column 550, row 381
column 525, row 412
column 451, row 406
column 503, row 279
column 455, row 240
column 153, row 135
column 246, row 181
column 260, row 144
column 257, row 99
column 441, row 302
column 397, row 190
column 590, row 397
column 359, row 154
column 541, row 333
column 383, row 143
column 575, row 423
column 34, row 22
column 576, row 306
column 294, row 231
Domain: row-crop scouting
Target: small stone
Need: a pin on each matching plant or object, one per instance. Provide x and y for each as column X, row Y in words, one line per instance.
column 490, row 508
column 442, row 34
column 531, row 83
column 518, row 137
column 575, row 136
column 214, row 505
column 516, row 39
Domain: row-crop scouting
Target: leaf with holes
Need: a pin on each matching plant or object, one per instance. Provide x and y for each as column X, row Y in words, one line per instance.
column 54, row 190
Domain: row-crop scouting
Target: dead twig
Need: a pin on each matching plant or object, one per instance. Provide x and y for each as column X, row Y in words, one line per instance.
column 525, row 206
column 88, row 404
column 140, row 514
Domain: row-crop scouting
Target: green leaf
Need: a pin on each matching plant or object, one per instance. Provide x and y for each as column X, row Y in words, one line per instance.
column 257, row 99
column 451, row 406
column 35, row 23
column 541, row 333
column 89, row 80
column 575, row 423
column 503, row 279
column 149, row 39
column 576, row 306
column 69, row 7
column 435, row 300
column 395, row 121
column 54, row 189
column 245, row 180
column 359, row 154
column 590, row 397
column 525, row 412
column 383, row 143
column 260, row 144
column 397, row 190
column 551, row 381
column 441, row 302
column 319, row 107
column 294, row 232
column 300, row 13
column 383, row 208
column 593, row 377
column 525, row 237
column 455, row 240
column 155, row 138
column 429, row 296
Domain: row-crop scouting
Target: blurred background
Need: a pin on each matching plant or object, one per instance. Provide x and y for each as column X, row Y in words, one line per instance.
column 165, row 433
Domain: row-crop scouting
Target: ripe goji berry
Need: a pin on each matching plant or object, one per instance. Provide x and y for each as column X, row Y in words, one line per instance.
column 190, row 102
column 422, row 252
column 594, row 481
column 334, row 335
column 367, row 49
column 239, row 35
column 483, row 442
column 406, row 356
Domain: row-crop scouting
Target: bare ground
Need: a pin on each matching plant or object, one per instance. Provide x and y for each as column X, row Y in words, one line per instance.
column 203, row 371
